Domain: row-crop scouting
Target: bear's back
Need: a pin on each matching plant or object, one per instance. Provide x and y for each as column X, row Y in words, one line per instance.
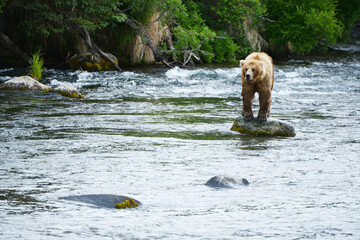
column 261, row 56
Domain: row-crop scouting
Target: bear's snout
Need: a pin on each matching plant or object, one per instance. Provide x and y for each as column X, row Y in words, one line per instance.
column 248, row 76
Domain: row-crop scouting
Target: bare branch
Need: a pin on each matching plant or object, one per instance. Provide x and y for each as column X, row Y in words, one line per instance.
column 267, row 19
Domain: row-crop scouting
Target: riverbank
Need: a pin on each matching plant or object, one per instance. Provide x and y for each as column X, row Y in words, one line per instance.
column 115, row 34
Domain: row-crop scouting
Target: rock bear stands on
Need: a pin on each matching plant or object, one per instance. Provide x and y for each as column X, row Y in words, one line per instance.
column 257, row 75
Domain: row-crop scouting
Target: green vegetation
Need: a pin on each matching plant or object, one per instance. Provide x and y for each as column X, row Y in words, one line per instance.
column 190, row 32
column 46, row 18
column 127, row 204
column 302, row 25
column 2, row 4
column 348, row 11
column 36, row 67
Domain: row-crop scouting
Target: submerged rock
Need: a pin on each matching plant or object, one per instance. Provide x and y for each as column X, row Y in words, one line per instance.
column 220, row 181
column 89, row 62
column 105, row 200
column 68, row 90
column 24, row 83
column 271, row 127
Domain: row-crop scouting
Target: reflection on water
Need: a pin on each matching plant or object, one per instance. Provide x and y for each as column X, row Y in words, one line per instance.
column 158, row 135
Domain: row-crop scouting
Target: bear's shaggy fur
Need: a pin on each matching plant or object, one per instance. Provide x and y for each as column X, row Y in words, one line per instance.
column 257, row 75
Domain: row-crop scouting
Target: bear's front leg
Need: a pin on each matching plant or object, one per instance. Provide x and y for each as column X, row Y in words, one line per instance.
column 248, row 98
column 265, row 103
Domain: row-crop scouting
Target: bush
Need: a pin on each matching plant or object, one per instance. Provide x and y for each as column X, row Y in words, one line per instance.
column 36, row 67
column 2, row 4
column 303, row 24
column 214, row 29
column 348, row 11
column 225, row 50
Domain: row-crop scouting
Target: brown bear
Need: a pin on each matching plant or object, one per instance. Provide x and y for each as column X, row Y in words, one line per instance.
column 257, row 75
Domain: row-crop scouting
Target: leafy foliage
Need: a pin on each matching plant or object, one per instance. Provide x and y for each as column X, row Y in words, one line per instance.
column 226, row 18
column 235, row 12
column 2, row 4
column 56, row 16
column 36, row 67
column 205, row 31
column 225, row 49
column 215, row 28
column 191, row 33
column 304, row 24
column 348, row 11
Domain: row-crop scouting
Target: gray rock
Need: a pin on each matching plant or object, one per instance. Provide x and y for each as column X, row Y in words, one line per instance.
column 102, row 200
column 68, row 90
column 220, row 181
column 271, row 127
column 24, row 83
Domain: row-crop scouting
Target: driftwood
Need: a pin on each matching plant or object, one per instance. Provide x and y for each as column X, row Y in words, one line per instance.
column 148, row 41
column 8, row 44
column 84, row 34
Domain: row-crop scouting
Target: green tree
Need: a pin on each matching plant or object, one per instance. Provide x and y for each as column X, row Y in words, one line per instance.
column 193, row 40
column 58, row 16
column 302, row 24
column 229, row 19
column 57, row 19
column 348, row 11
column 204, row 31
column 2, row 4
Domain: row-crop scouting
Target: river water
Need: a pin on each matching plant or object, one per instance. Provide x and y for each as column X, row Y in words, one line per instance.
column 158, row 135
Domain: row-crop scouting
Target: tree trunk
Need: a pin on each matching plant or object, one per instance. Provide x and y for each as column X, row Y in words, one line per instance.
column 7, row 43
column 148, row 42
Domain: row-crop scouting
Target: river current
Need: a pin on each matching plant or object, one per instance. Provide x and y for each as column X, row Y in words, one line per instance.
column 158, row 135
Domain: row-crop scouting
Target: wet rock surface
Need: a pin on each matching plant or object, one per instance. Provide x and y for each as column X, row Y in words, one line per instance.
column 68, row 90
column 104, row 200
column 271, row 127
column 222, row 181
column 24, row 83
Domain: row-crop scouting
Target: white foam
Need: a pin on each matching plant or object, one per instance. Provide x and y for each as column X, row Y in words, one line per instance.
column 83, row 75
column 182, row 73
column 127, row 75
column 348, row 47
column 291, row 74
column 229, row 73
column 55, row 82
column 6, row 69
column 5, row 78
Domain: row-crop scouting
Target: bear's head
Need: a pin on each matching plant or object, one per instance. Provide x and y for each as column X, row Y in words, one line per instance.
column 252, row 70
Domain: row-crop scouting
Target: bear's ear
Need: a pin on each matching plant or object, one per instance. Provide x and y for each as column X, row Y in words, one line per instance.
column 262, row 64
column 242, row 62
